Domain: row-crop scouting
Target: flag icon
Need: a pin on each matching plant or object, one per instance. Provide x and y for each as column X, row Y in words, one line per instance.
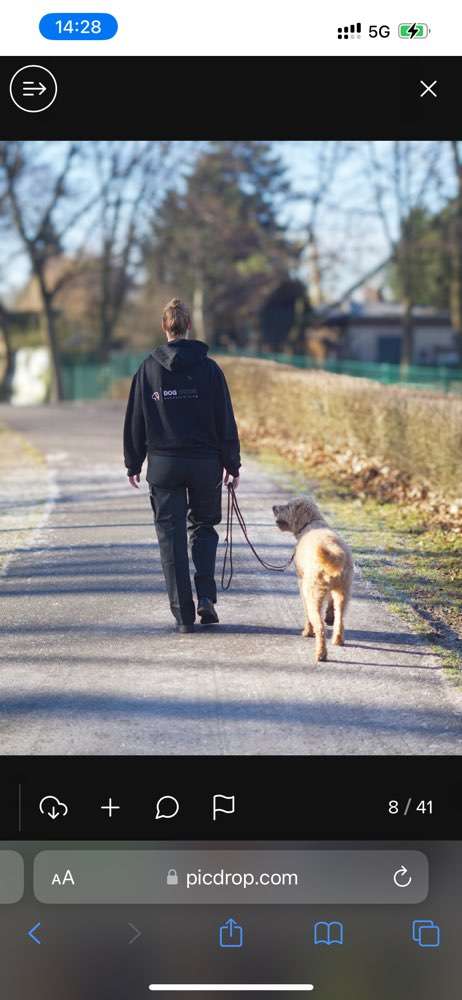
column 224, row 804
column 328, row 932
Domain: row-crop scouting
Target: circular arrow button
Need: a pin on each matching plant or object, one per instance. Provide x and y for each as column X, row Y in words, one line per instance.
column 402, row 878
column 33, row 88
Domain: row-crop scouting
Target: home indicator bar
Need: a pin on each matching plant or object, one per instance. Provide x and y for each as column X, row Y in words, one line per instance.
column 230, row 987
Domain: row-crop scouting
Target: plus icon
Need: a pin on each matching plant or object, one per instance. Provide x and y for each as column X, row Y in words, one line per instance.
column 110, row 808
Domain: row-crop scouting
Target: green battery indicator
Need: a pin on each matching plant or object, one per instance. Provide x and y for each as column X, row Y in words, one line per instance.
column 414, row 29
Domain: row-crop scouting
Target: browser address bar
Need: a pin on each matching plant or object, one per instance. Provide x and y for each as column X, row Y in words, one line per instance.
column 171, row 876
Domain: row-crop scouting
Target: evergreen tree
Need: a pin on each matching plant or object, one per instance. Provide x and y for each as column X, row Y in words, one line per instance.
column 219, row 243
column 421, row 269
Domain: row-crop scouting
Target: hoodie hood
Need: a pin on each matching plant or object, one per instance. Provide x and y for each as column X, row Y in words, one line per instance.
column 179, row 355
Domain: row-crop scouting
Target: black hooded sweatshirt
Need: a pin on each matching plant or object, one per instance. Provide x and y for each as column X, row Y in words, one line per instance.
column 179, row 405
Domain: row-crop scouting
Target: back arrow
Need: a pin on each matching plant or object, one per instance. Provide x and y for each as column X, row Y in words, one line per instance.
column 31, row 933
column 136, row 935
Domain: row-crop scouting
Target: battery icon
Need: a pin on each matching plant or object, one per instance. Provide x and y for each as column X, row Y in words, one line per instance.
column 413, row 30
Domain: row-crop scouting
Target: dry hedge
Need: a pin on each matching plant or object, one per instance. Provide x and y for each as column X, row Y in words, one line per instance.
column 418, row 432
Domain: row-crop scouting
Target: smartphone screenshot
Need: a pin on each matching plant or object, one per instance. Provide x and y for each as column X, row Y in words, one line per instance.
column 163, row 878
column 230, row 500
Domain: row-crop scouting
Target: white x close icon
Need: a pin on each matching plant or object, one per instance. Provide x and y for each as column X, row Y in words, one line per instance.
column 428, row 88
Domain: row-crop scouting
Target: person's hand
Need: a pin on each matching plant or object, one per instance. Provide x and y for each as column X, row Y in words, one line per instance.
column 234, row 480
column 134, row 481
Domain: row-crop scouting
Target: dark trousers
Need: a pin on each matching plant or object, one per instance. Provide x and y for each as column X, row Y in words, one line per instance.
column 187, row 491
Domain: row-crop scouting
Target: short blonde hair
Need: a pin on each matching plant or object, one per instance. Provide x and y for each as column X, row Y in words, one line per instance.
column 176, row 319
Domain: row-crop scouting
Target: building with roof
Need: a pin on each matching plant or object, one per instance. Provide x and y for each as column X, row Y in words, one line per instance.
column 373, row 332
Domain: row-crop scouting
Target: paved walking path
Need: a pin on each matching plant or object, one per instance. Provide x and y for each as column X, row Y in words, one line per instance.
column 89, row 663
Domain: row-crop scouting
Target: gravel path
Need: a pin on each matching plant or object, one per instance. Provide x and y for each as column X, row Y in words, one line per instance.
column 90, row 663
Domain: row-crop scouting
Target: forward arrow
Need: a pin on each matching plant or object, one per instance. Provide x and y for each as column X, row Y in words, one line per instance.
column 29, row 88
column 136, row 935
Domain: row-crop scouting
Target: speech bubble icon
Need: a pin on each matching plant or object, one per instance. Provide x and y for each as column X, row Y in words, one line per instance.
column 167, row 807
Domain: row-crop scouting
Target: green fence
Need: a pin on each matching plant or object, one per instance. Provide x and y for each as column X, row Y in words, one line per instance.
column 93, row 381
column 90, row 380
column 444, row 379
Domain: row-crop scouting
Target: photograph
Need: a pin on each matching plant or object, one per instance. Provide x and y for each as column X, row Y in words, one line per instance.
column 230, row 464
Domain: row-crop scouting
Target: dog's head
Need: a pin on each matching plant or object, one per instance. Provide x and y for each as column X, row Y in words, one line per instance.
column 296, row 514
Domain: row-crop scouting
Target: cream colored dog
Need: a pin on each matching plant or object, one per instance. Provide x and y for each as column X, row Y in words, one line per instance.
column 324, row 567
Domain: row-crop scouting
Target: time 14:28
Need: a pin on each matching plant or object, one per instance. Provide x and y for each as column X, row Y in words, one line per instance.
column 83, row 27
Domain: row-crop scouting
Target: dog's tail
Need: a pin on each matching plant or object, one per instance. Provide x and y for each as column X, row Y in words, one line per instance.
column 332, row 557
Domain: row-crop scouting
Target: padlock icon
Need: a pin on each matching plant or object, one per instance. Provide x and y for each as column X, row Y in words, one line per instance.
column 172, row 877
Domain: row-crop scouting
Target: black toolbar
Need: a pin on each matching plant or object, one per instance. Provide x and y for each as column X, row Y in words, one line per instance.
column 229, row 798
column 269, row 97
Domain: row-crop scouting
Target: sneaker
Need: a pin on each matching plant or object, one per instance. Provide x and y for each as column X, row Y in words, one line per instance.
column 206, row 612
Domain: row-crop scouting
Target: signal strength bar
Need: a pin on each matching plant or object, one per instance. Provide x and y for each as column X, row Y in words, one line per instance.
column 350, row 31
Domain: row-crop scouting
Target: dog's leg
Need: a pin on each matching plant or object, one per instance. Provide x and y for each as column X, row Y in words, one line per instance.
column 307, row 630
column 314, row 606
column 340, row 601
column 329, row 615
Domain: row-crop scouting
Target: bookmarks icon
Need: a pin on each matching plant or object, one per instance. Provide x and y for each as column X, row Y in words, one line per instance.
column 328, row 932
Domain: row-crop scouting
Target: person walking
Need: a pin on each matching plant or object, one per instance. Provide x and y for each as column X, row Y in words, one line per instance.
column 180, row 416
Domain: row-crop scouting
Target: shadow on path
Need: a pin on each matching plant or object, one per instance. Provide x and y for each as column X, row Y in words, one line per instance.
column 343, row 715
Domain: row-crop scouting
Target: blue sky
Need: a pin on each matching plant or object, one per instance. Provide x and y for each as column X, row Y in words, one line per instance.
column 350, row 234
column 350, row 230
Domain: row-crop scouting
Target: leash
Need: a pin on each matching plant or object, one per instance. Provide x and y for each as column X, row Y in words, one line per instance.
column 234, row 509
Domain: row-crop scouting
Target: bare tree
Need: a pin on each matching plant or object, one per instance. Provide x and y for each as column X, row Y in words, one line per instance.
column 331, row 307
column 44, row 212
column 325, row 161
column 402, row 176
column 455, row 288
column 5, row 331
column 129, row 181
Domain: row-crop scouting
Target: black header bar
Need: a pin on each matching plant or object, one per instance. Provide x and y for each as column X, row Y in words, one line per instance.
column 240, row 98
